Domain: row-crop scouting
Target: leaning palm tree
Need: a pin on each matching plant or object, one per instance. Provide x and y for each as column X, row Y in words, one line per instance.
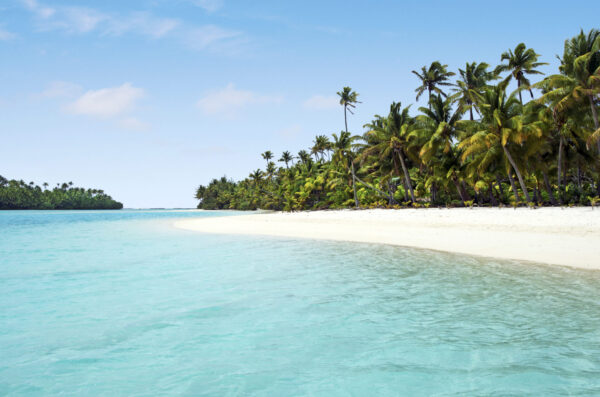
column 521, row 62
column 286, row 157
column 501, row 126
column 570, row 91
column 472, row 80
column 431, row 78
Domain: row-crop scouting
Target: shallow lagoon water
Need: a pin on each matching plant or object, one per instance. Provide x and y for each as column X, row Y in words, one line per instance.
column 122, row 303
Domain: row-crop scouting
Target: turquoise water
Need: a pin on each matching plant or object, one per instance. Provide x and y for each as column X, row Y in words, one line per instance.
column 123, row 304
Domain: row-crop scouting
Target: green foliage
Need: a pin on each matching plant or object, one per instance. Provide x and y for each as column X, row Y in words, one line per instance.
column 514, row 153
column 18, row 195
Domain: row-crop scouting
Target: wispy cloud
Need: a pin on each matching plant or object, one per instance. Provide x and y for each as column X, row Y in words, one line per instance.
column 60, row 89
column 210, row 37
column 321, row 102
column 5, row 35
column 107, row 102
column 38, row 9
column 83, row 20
column 229, row 101
column 208, row 5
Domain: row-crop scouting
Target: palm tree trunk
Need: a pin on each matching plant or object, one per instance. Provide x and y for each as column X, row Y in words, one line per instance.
column 471, row 112
column 377, row 190
column 345, row 117
column 559, row 166
column 429, row 89
column 518, row 87
column 548, row 187
column 406, row 174
column 595, row 116
column 499, row 182
column 459, row 190
column 354, row 183
column 492, row 198
column 518, row 172
column 512, row 185
column 464, row 190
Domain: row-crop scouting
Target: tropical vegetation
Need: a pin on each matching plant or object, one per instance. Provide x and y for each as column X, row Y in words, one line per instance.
column 475, row 143
column 19, row 195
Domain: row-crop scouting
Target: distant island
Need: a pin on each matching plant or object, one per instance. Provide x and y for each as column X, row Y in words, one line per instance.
column 477, row 144
column 19, row 195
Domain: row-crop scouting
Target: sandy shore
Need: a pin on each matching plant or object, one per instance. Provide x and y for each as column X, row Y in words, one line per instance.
column 560, row 236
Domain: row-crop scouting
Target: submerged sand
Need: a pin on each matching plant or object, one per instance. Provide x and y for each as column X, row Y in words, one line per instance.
column 559, row 236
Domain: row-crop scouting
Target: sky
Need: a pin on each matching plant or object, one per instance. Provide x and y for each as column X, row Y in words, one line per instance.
column 147, row 99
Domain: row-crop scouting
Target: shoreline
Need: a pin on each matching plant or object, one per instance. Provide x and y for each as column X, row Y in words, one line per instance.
column 556, row 236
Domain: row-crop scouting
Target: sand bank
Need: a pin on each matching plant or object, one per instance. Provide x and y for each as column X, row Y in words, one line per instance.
column 559, row 236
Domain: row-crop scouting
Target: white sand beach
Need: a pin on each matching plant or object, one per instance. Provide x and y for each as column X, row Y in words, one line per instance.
column 558, row 236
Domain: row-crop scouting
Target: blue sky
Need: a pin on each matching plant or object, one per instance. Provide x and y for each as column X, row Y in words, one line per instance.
column 147, row 99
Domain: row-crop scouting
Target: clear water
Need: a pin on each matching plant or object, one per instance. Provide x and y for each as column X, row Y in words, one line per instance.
column 123, row 304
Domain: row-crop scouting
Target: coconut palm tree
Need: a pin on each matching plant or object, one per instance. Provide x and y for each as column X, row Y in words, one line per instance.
column 431, row 78
column 436, row 131
column 268, row 155
column 304, row 156
column 320, row 145
column 501, row 126
column 520, row 62
column 343, row 154
column 286, row 157
column 472, row 80
column 389, row 137
column 348, row 99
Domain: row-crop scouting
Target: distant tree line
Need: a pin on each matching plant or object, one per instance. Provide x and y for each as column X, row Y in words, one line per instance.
column 474, row 143
column 19, row 195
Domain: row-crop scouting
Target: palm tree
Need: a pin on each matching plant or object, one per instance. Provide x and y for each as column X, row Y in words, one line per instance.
column 320, row 145
column 343, row 154
column 267, row 156
column 472, row 80
column 521, row 62
column 304, row 156
column 349, row 99
column 582, row 83
column 286, row 157
column 437, row 129
column 501, row 125
column 433, row 77
column 390, row 138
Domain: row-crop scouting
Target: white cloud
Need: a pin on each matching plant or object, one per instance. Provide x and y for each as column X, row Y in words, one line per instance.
column 38, row 9
column 6, row 35
column 82, row 20
column 229, row 100
column 107, row 102
column 210, row 35
column 320, row 102
column 143, row 23
column 60, row 89
column 209, row 5
column 85, row 20
column 133, row 124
